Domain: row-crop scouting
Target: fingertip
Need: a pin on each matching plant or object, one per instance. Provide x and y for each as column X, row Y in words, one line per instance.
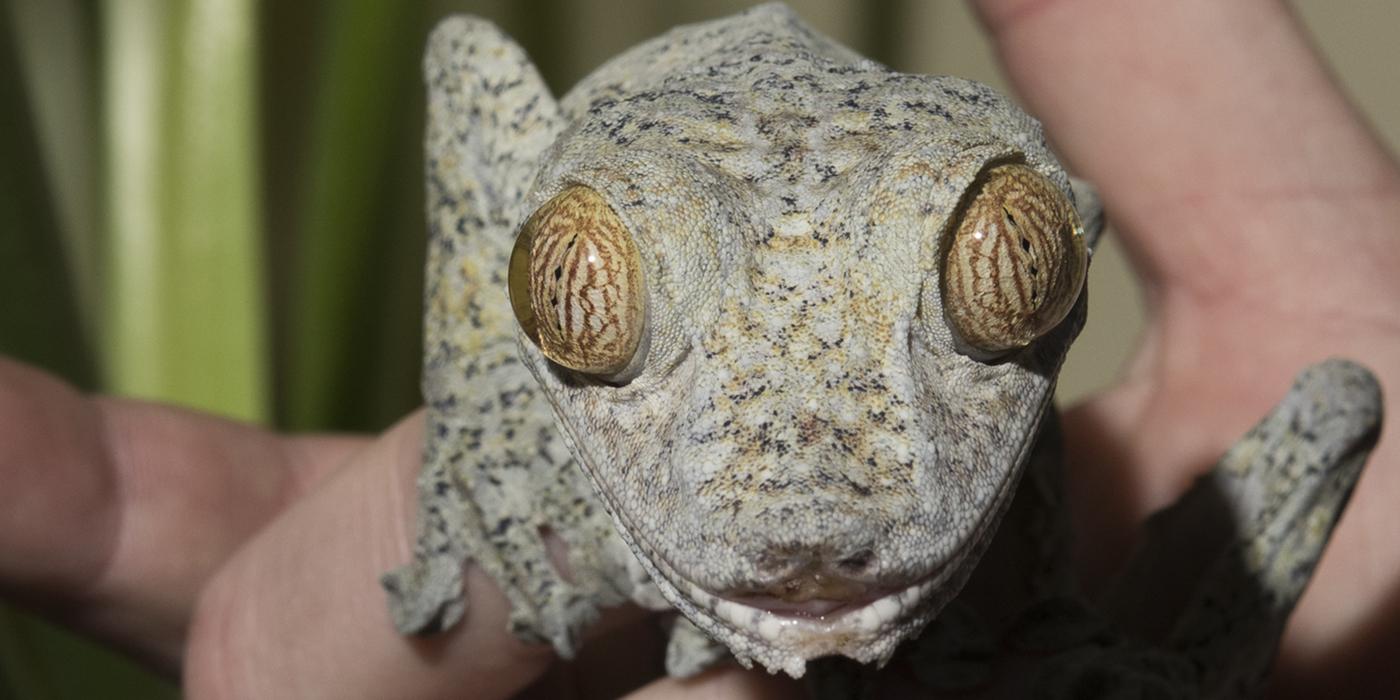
column 997, row 15
column 728, row 682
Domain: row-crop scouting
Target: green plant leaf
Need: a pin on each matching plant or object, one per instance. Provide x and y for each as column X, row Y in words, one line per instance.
column 56, row 59
column 338, row 284
column 184, row 315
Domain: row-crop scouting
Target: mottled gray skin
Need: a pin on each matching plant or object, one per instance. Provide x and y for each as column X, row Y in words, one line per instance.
column 798, row 403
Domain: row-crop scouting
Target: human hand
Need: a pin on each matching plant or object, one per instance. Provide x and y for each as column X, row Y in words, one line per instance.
column 248, row 562
column 1258, row 209
column 1262, row 216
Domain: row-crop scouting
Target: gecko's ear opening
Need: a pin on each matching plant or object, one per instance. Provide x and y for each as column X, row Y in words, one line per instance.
column 576, row 284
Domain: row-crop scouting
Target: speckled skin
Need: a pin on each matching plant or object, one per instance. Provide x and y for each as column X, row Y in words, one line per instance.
column 800, row 405
column 802, row 393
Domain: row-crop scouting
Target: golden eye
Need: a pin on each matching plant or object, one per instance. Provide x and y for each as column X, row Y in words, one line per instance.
column 1016, row 262
column 576, row 283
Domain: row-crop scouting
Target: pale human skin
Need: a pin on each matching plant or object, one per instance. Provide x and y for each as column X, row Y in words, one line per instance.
column 1199, row 120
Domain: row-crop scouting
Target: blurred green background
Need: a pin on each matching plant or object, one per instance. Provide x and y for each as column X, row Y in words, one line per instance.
column 218, row 203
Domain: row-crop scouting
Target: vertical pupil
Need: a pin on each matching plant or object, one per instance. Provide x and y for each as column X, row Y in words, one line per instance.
column 556, row 299
column 557, row 318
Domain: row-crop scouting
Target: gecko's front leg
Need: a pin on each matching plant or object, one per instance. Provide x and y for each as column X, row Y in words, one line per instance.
column 497, row 478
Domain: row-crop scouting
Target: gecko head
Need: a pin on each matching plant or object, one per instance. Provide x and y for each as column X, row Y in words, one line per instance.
column 802, row 356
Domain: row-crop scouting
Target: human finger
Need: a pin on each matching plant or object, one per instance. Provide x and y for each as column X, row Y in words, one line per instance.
column 1251, row 198
column 299, row 612
column 723, row 683
column 1206, row 123
column 114, row 513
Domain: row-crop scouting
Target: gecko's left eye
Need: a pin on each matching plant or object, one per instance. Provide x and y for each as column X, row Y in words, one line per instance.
column 576, row 284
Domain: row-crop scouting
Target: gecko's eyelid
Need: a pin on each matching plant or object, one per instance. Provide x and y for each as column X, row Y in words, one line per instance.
column 576, row 284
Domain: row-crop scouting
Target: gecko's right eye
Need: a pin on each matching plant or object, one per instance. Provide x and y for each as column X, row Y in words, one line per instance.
column 1015, row 264
column 576, row 284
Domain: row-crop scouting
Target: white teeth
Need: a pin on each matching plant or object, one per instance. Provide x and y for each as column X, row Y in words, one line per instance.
column 863, row 618
column 885, row 609
column 769, row 628
column 912, row 594
column 731, row 612
column 701, row 597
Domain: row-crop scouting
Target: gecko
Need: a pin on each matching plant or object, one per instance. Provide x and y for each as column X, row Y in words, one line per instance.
column 752, row 328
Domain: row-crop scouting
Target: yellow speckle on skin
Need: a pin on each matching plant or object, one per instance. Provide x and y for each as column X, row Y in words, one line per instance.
column 717, row 135
column 787, row 244
column 792, row 225
column 852, row 121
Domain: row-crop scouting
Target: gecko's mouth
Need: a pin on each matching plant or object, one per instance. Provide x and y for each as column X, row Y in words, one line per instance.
column 818, row 608
column 821, row 627
column 817, row 596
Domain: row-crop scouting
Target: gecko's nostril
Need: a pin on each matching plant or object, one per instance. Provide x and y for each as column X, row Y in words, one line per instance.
column 857, row 563
column 788, row 560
